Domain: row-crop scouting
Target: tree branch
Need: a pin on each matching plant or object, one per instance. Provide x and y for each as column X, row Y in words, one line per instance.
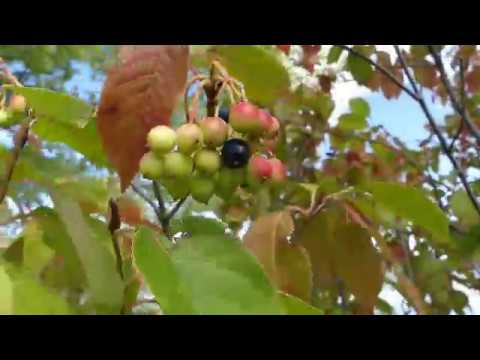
column 380, row 68
column 21, row 138
column 438, row 134
column 460, row 110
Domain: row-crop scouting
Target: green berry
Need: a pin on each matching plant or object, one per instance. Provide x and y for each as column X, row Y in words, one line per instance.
column 177, row 188
column 151, row 166
column 177, row 165
column 189, row 138
column 202, row 188
column 228, row 181
column 208, row 161
column 161, row 139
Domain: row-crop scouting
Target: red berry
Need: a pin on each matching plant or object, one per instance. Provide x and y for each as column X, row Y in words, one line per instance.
column 273, row 129
column 244, row 118
column 279, row 171
column 260, row 168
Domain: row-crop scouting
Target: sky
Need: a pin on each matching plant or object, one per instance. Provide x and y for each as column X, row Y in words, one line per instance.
column 401, row 117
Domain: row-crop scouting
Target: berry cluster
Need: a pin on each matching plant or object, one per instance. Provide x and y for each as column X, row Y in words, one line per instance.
column 216, row 155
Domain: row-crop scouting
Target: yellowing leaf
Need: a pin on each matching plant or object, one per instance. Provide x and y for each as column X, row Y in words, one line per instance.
column 287, row 265
column 139, row 94
column 342, row 251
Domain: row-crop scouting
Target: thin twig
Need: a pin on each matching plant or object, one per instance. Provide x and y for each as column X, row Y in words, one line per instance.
column 462, row 99
column 380, row 68
column 149, row 201
column 438, row 134
column 460, row 110
column 175, row 209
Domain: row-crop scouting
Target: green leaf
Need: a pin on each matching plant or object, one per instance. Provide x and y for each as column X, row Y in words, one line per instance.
column 36, row 254
column 463, row 209
column 85, row 140
column 199, row 225
column 259, row 68
column 360, row 107
column 361, row 70
column 352, row 122
column 412, row 204
column 50, row 105
column 56, row 237
column 6, row 293
column 224, row 278
column 97, row 260
column 334, row 54
column 161, row 275
column 295, row 306
column 31, row 298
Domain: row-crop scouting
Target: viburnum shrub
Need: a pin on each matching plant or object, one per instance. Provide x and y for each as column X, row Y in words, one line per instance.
column 235, row 179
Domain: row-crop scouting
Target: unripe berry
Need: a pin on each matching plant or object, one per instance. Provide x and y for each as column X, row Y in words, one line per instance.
column 235, row 153
column 207, row 161
column 177, row 188
column 260, row 168
column 189, row 138
column 161, row 139
column 177, row 165
column 244, row 118
column 228, row 180
column 18, row 103
column 151, row 166
column 3, row 116
column 279, row 171
column 202, row 188
column 215, row 131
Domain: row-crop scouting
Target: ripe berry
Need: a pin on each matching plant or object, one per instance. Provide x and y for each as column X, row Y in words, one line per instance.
column 215, row 131
column 161, row 139
column 266, row 120
column 235, row 153
column 273, row 129
column 244, row 118
column 18, row 103
column 150, row 166
column 224, row 114
column 208, row 161
column 189, row 138
column 177, row 165
column 279, row 171
column 202, row 188
column 260, row 168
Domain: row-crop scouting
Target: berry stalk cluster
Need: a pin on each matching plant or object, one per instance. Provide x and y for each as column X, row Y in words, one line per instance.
column 217, row 154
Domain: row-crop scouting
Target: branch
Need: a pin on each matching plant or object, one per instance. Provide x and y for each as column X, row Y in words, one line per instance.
column 438, row 134
column 113, row 225
column 380, row 68
column 462, row 99
column 460, row 110
column 21, row 138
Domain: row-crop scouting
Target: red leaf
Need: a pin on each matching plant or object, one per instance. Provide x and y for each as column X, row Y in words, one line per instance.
column 140, row 93
column 472, row 78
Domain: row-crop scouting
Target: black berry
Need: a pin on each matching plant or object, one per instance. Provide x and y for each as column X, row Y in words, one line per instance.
column 224, row 114
column 235, row 153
